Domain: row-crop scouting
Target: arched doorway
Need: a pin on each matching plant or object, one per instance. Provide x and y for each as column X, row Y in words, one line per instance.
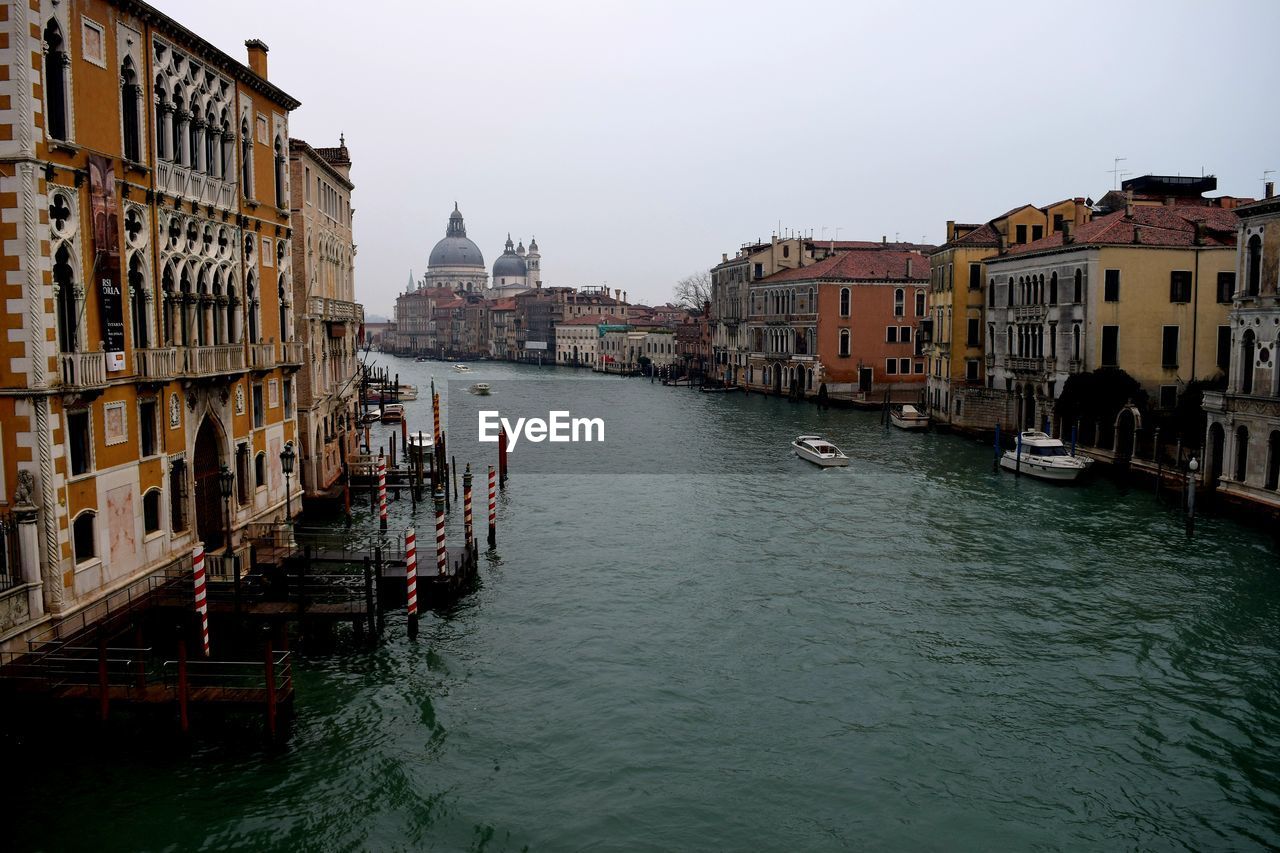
column 1273, row 461
column 1126, row 428
column 1242, row 453
column 210, row 524
column 1217, row 442
column 1029, row 406
column 777, row 379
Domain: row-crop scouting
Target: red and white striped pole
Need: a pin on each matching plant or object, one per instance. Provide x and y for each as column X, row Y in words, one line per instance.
column 442, row 556
column 202, row 598
column 382, row 492
column 466, row 504
column 493, row 507
column 411, row 578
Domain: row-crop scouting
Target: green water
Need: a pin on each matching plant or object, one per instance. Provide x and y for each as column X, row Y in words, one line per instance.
column 913, row 654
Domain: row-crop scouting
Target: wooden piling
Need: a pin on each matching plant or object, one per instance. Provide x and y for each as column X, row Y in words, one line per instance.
column 466, row 504
column 493, row 507
column 368, row 597
column 271, row 692
column 377, row 570
column 411, row 581
column 453, row 470
column 184, row 690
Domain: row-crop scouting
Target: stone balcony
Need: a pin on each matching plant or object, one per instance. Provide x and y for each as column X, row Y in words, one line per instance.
column 158, row 364
column 1027, row 313
column 262, row 357
column 335, row 310
column 1024, row 364
column 181, row 181
column 291, row 354
column 213, row 360
column 83, row 370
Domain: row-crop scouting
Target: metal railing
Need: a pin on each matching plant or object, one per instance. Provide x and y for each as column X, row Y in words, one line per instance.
column 223, row 680
column 83, row 369
column 351, row 545
column 10, row 555
column 156, row 363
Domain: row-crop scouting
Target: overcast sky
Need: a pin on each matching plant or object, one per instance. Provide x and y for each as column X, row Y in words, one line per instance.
column 638, row 141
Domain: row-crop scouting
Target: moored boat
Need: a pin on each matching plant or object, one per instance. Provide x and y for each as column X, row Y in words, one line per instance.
column 392, row 413
column 1044, row 457
column 481, row 388
column 371, row 416
column 909, row 417
column 819, row 451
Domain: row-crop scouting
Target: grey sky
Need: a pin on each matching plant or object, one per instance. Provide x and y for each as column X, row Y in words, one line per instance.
column 638, row 141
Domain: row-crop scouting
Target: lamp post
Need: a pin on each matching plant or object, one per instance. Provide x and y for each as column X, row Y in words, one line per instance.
column 287, row 457
column 1192, row 467
column 226, row 482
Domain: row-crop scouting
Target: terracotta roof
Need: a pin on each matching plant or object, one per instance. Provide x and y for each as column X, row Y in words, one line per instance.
column 863, row 265
column 1153, row 226
column 1011, row 212
column 506, row 303
column 984, row 235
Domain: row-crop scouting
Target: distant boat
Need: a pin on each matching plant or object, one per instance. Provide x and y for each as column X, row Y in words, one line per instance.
column 372, row 416
column 819, row 451
column 481, row 388
column 422, row 358
column 1044, row 457
column 407, row 392
column 392, row 413
column 462, row 368
column 909, row 417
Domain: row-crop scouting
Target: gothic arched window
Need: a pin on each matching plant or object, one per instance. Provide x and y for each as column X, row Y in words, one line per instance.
column 130, row 111
column 56, row 60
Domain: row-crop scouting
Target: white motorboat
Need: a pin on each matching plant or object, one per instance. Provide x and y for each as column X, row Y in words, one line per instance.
column 407, row 392
column 819, row 451
column 481, row 388
column 909, row 417
column 392, row 413
column 1043, row 456
column 462, row 368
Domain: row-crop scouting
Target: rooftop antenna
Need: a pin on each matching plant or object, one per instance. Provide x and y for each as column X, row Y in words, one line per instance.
column 1116, row 173
column 1265, row 173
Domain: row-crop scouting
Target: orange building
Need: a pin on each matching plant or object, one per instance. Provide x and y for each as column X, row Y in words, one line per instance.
column 848, row 322
column 148, row 346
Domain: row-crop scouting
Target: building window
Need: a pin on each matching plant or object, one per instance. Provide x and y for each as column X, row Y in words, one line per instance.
column 844, row 302
column 242, row 474
column 899, row 302
column 1037, row 231
column 1053, row 289
column 786, row 251
column 1253, row 266
column 1168, row 397
column 1169, row 350
column 844, row 342
column 991, row 293
column 1111, row 286
column 904, row 334
column 1010, row 292
column 971, row 370
column 178, row 496
column 972, row 338
column 1021, row 233
column 920, row 367
column 82, row 537
column 1242, row 453
column 1180, row 286
column 1057, row 222
column 260, row 471
column 891, row 366
column 1078, row 294
column 56, row 61
column 281, row 160
column 975, row 276
column 919, row 303
column 1110, row 346
column 288, row 398
column 1273, row 460
column 1224, row 348
column 758, row 271
column 246, row 160
column 259, row 411
column 1226, row 287
column 151, row 511
column 80, row 442
column 904, row 366
column 147, row 424
column 131, row 111
column 891, row 335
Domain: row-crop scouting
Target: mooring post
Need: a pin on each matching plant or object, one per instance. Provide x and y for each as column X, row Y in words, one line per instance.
column 270, row 672
column 502, row 458
column 995, row 446
column 453, row 469
column 411, row 582
column 346, row 491
column 382, row 492
column 392, row 439
column 1075, row 430
column 377, row 571
column 493, row 507
column 1192, row 467
column 1156, row 456
column 184, row 719
column 442, row 560
column 466, row 504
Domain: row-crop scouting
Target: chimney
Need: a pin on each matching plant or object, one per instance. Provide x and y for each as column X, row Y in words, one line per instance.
column 1128, row 203
column 724, row 257
column 951, row 230
column 1270, row 191
column 1068, row 233
column 257, row 57
column 908, row 268
column 1137, row 236
column 1199, row 233
column 1169, row 201
column 1078, row 211
column 884, row 238
column 1004, row 243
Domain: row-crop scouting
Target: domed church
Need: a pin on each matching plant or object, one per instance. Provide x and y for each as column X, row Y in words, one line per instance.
column 517, row 270
column 456, row 262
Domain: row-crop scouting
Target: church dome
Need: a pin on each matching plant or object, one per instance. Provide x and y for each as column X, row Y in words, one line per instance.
column 455, row 250
column 510, row 264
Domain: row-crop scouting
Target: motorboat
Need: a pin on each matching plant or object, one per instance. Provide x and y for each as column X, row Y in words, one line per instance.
column 481, row 388
column 819, row 451
column 407, row 392
column 1039, row 455
column 422, row 358
column 462, row 368
column 909, row 417
column 372, row 416
column 392, row 413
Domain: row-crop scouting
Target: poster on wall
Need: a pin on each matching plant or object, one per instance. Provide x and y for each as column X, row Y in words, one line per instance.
column 106, row 258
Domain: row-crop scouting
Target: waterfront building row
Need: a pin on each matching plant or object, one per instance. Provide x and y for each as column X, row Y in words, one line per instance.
column 150, row 373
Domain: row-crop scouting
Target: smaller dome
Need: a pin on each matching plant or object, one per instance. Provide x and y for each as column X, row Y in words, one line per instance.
column 533, row 246
column 509, row 265
column 520, row 249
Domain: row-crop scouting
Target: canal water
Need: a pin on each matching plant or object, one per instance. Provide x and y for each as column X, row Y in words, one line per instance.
column 915, row 653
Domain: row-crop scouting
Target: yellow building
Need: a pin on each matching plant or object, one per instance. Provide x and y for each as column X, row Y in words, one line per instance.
column 957, row 303
column 1144, row 288
column 147, row 345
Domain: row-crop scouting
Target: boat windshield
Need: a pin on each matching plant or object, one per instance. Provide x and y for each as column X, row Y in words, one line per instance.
column 824, row 448
column 1048, row 451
